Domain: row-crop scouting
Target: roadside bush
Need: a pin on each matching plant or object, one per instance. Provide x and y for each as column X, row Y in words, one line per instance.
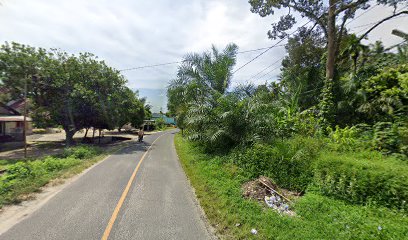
column 343, row 139
column 365, row 177
column 289, row 163
column 390, row 138
column 51, row 164
column 160, row 124
column 26, row 177
column 80, row 152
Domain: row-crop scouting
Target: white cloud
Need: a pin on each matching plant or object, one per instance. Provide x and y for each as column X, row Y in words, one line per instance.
column 135, row 33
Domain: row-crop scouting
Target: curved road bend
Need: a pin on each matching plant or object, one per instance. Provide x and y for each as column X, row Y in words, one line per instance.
column 159, row 203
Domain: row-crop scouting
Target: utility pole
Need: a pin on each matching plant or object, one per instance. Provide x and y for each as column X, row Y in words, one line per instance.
column 25, row 118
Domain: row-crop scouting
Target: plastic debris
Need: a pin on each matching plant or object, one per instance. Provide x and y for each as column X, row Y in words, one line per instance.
column 237, row 224
column 379, row 228
column 277, row 203
column 264, row 190
column 254, row 231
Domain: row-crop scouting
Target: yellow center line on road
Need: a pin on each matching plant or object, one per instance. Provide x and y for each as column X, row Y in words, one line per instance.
column 124, row 194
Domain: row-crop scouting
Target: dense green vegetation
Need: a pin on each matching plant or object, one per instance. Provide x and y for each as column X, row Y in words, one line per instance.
column 217, row 182
column 24, row 177
column 74, row 92
column 160, row 124
column 333, row 128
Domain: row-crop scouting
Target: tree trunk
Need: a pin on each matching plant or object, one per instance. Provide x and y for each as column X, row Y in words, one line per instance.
column 86, row 132
column 331, row 41
column 69, row 136
column 326, row 104
column 93, row 134
column 99, row 137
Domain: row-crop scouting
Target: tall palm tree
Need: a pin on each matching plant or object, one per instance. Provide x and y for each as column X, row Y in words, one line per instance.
column 202, row 80
column 211, row 70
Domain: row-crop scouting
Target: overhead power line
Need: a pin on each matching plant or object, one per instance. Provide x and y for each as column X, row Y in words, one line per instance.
column 371, row 8
column 257, row 56
column 372, row 23
column 259, row 49
column 149, row 66
column 262, row 53
column 266, row 49
column 272, row 70
column 263, row 70
column 177, row 62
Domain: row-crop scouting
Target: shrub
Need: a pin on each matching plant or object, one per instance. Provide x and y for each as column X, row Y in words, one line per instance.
column 51, row 164
column 390, row 137
column 80, row 152
column 160, row 123
column 365, row 177
column 26, row 177
column 342, row 139
column 289, row 163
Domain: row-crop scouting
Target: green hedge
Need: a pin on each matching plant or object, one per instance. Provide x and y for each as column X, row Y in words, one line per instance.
column 366, row 177
column 289, row 163
column 27, row 176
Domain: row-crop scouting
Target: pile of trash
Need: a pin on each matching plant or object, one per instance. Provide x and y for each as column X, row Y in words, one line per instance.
column 276, row 202
column 262, row 189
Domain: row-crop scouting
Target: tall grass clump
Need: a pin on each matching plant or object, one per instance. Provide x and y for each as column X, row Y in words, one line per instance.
column 288, row 162
column 363, row 178
column 24, row 177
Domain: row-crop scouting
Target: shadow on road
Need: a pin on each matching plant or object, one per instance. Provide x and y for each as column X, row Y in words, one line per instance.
column 134, row 147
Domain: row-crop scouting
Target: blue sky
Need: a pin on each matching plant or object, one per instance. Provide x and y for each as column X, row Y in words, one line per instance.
column 133, row 33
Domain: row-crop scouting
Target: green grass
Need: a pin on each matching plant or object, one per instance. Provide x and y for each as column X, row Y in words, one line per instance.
column 363, row 177
column 218, row 188
column 24, row 177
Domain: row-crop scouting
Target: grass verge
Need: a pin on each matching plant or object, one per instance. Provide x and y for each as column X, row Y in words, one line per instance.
column 24, row 177
column 218, row 188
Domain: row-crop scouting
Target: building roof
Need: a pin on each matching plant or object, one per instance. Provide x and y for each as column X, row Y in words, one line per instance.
column 17, row 105
column 14, row 119
column 6, row 110
column 157, row 115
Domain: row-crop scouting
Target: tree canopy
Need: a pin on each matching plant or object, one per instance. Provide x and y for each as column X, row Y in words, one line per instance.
column 329, row 19
column 74, row 92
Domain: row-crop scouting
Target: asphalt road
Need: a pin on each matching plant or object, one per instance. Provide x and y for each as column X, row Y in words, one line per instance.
column 158, row 205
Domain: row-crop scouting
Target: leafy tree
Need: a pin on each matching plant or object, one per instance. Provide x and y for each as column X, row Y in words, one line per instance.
column 72, row 91
column 331, row 20
column 302, row 69
column 78, row 92
column 353, row 49
column 160, row 123
column 350, row 95
column 386, row 95
column 18, row 64
column 147, row 108
column 201, row 79
column 129, row 108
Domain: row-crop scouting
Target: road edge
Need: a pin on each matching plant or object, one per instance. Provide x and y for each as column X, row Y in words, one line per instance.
column 192, row 192
column 13, row 214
